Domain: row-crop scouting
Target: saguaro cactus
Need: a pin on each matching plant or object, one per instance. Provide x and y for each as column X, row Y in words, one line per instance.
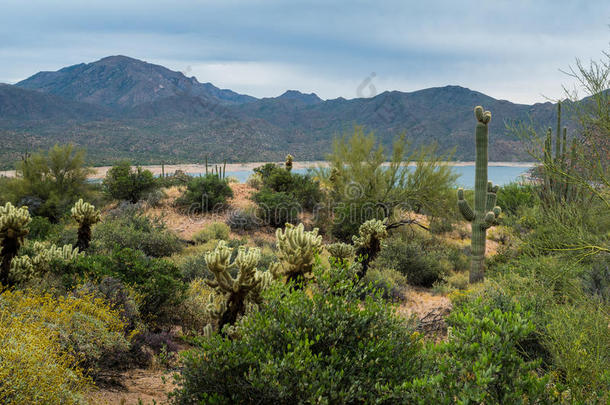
column 485, row 212
column 233, row 295
column 13, row 229
column 86, row 215
column 296, row 251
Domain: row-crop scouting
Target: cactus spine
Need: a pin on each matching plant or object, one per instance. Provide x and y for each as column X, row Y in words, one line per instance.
column 86, row 215
column 485, row 212
column 232, row 296
column 13, row 229
column 296, row 252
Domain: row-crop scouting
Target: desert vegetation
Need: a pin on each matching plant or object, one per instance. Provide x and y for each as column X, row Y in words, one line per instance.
column 310, row 288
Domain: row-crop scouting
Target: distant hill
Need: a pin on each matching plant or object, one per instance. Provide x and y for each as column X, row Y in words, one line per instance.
column 120, row 107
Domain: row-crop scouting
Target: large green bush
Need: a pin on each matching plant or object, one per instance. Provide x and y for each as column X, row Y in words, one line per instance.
column 482, row 362
column 127, row 227
column 303, row 187
column 124, row 183
column 323, row 346
column 515, row 196
column 157, row 282
column 277, row 208
column 204, row 194
column 423, row 260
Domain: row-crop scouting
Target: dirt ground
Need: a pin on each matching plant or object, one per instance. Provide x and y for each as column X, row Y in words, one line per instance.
column 139, row 386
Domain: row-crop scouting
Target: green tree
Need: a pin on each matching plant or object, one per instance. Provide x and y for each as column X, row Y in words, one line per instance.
column 369, row 183
column 124, row 183
column 49, row 183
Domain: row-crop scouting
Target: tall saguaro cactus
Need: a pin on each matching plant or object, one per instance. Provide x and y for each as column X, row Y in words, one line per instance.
column 13, row 229
column 485, row 211
column 86, row 215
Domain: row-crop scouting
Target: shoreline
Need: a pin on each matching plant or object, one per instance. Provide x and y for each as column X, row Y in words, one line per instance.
column 100, row 171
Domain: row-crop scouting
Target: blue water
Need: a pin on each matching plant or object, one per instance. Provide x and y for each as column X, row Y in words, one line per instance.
column 498, row 174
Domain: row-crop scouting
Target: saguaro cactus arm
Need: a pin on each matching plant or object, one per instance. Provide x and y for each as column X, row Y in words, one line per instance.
column 464, row 207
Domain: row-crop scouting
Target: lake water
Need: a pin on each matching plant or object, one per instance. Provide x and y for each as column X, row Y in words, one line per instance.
column 498, row 174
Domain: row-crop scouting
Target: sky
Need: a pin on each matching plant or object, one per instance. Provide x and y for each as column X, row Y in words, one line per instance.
column 513, row 50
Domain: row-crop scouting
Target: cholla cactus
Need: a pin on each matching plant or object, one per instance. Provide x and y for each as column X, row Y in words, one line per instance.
column 368, row 242
column 86, row 215
column 485, row 212
column 233, row 296
column 296, row 251
column 288, row 163
column 24, row 268
column 13, row 229
column 340, row 251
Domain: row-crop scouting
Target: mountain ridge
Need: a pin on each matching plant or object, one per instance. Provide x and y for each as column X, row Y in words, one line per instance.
column 121, row 107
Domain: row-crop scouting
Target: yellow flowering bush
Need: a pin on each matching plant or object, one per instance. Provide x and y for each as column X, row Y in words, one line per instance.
column 33, row 367
column 85, row 327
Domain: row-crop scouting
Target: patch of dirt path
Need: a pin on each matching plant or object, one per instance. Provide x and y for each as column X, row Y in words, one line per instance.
column 139, row 386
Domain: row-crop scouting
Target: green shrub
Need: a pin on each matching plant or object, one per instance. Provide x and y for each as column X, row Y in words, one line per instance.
column 305, row 190
column 390, row 283
column 327, row 348
column 481, row 362
column 277, row 208
column 204, row 194
column 127, row 228
column 157, row 282
column 213, row 231
column 123, row 183
column 194, row 313
column 193, row 266
column 515, row 196
column 40, row 228
column 422, row 261
column 578, row 340
column 244, row 220
column 348, row 217
column 440, row 225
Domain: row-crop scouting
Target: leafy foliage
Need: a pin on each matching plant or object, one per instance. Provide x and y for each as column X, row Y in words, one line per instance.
column 204, row 194
column 124, row 183
column 50, row 183
column 361, row 187
column 328, row 348
column 128, row 228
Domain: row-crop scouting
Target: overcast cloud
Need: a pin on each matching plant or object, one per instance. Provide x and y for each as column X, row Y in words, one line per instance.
column 507, row 49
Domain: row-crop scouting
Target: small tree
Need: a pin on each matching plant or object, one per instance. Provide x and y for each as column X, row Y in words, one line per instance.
column 364, row 182
column 50, row 182
column 86, row 215
column 124, row 183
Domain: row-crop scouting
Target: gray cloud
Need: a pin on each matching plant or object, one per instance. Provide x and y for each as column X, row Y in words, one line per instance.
column 507, row 49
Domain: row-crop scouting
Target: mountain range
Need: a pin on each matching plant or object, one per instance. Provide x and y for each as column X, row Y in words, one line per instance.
column 120, row 107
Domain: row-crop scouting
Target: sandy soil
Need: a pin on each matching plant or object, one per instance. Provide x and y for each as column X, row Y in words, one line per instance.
column 139, row 386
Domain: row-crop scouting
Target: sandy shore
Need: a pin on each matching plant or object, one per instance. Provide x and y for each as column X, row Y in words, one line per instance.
column 100, row 172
